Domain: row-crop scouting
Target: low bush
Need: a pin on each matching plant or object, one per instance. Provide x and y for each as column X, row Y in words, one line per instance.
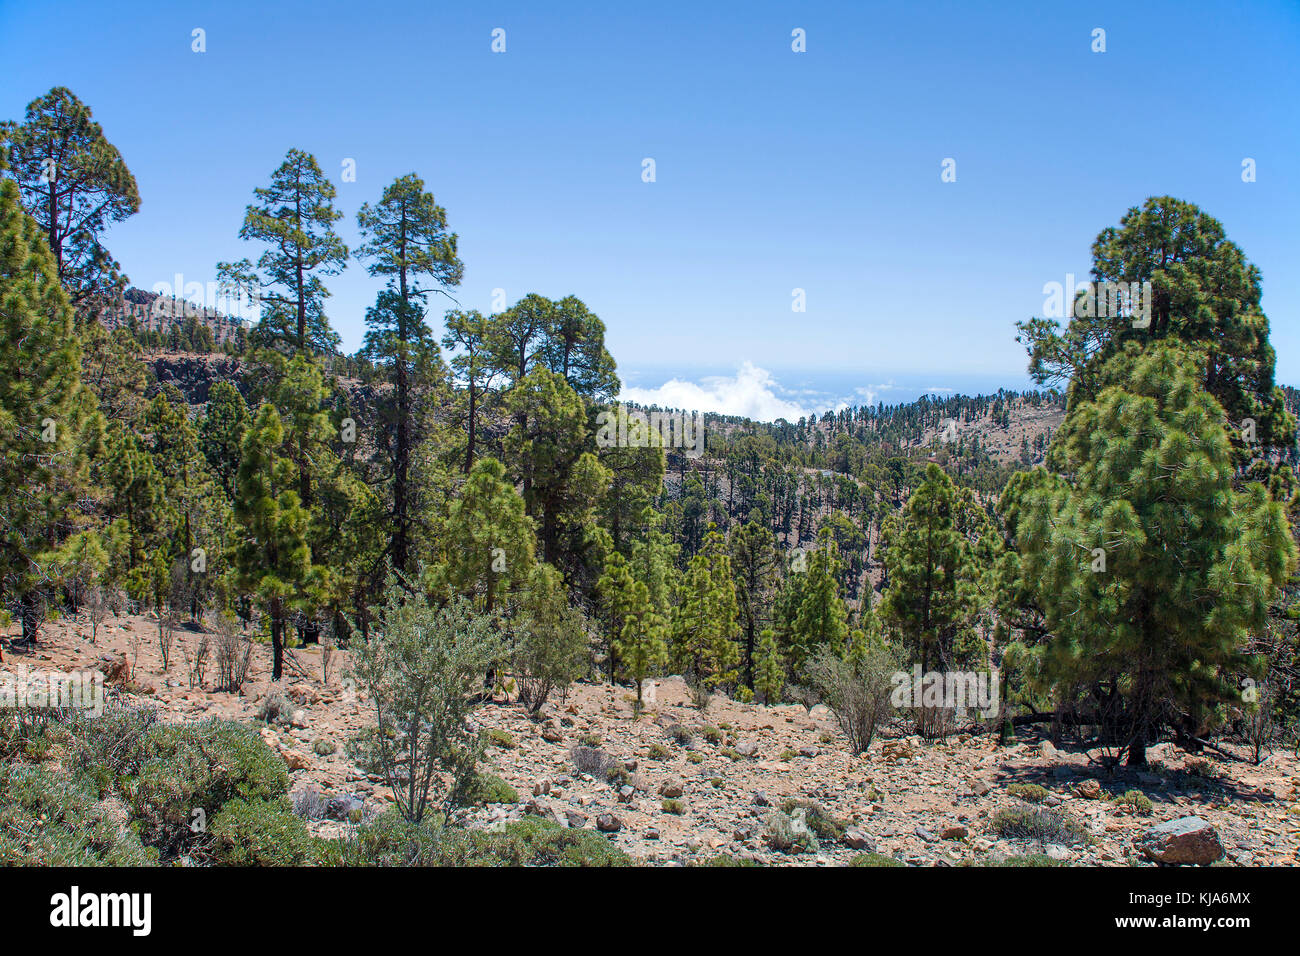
column 260, row 833
column 790, row 833
column 1137, row 803
column 1043, row 824
column 489, row 788
column 1029, row 792
column 49, row 818
column 819, row 820
column 874, row 859
column 392, row 841
column 198, row 767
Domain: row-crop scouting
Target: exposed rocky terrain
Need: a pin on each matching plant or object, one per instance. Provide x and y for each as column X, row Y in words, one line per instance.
column 689, row 785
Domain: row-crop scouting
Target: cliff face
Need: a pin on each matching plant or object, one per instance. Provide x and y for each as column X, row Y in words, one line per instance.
column 195, row 374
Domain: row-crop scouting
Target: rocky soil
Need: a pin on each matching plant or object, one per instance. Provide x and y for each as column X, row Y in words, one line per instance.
column 691, row 784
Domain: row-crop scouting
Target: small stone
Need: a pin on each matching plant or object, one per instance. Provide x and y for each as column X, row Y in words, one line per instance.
column 858, row 840
column 296, row 761
column 760, row 799
column 575, row 819
column 925, row 834
column 608, row 823
column 747, row 748
column 651, row 833
column 542, row 786
column 955, row 832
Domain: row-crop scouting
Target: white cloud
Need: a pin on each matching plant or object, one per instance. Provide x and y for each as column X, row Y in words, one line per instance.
column 752, row 393
column 870, row 393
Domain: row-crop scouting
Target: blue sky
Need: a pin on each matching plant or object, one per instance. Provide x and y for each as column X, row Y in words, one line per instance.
column 775, row 170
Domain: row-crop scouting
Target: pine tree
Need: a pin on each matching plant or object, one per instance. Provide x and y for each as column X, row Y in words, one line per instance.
column 755, row 561
column 821, row 619
column 272, row 558
column 199, row 508
column 221, row 433
column 1150, row 571
column 933, row 600
column 489, row 539
column 407, row 243
column 74, row 183
column 769, row 676
column 705, row 623
column 295, row 218
column 562, row 481
column 46, row 414
column 468, row 334
column 1205, row 295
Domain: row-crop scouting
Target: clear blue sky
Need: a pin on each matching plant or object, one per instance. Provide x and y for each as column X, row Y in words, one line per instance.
column 775, row 170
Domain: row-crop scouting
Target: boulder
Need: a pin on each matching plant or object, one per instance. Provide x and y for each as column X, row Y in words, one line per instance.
column 672, row 787
column 1187, row 840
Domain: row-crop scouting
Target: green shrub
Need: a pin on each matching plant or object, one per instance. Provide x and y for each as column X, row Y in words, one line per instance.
column 489, row 788
column 185, row 768
column 1137, row 801
column 111, row 746
column 1029, row 859
column 675, row 807
column 874, row 859
column 712, row 734
column 724, row 860
column 590, row 740
column 681, row 735
column 819, row 820
column 53, row 819
column 500, row 738
column 538, row 842
column 1043, row 824
column 659, row 752
column 392, row 841
column 322, row 747
column 694, row 758
column 275, row 708
column 29, row 735
column 790, row 833
column 617, row 776
column 260, row 833
column 1029, row 792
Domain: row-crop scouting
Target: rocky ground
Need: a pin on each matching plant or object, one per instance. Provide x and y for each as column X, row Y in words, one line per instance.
column 691, row 784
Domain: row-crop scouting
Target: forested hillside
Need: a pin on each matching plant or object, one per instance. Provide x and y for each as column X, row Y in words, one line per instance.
column 1113, row 553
